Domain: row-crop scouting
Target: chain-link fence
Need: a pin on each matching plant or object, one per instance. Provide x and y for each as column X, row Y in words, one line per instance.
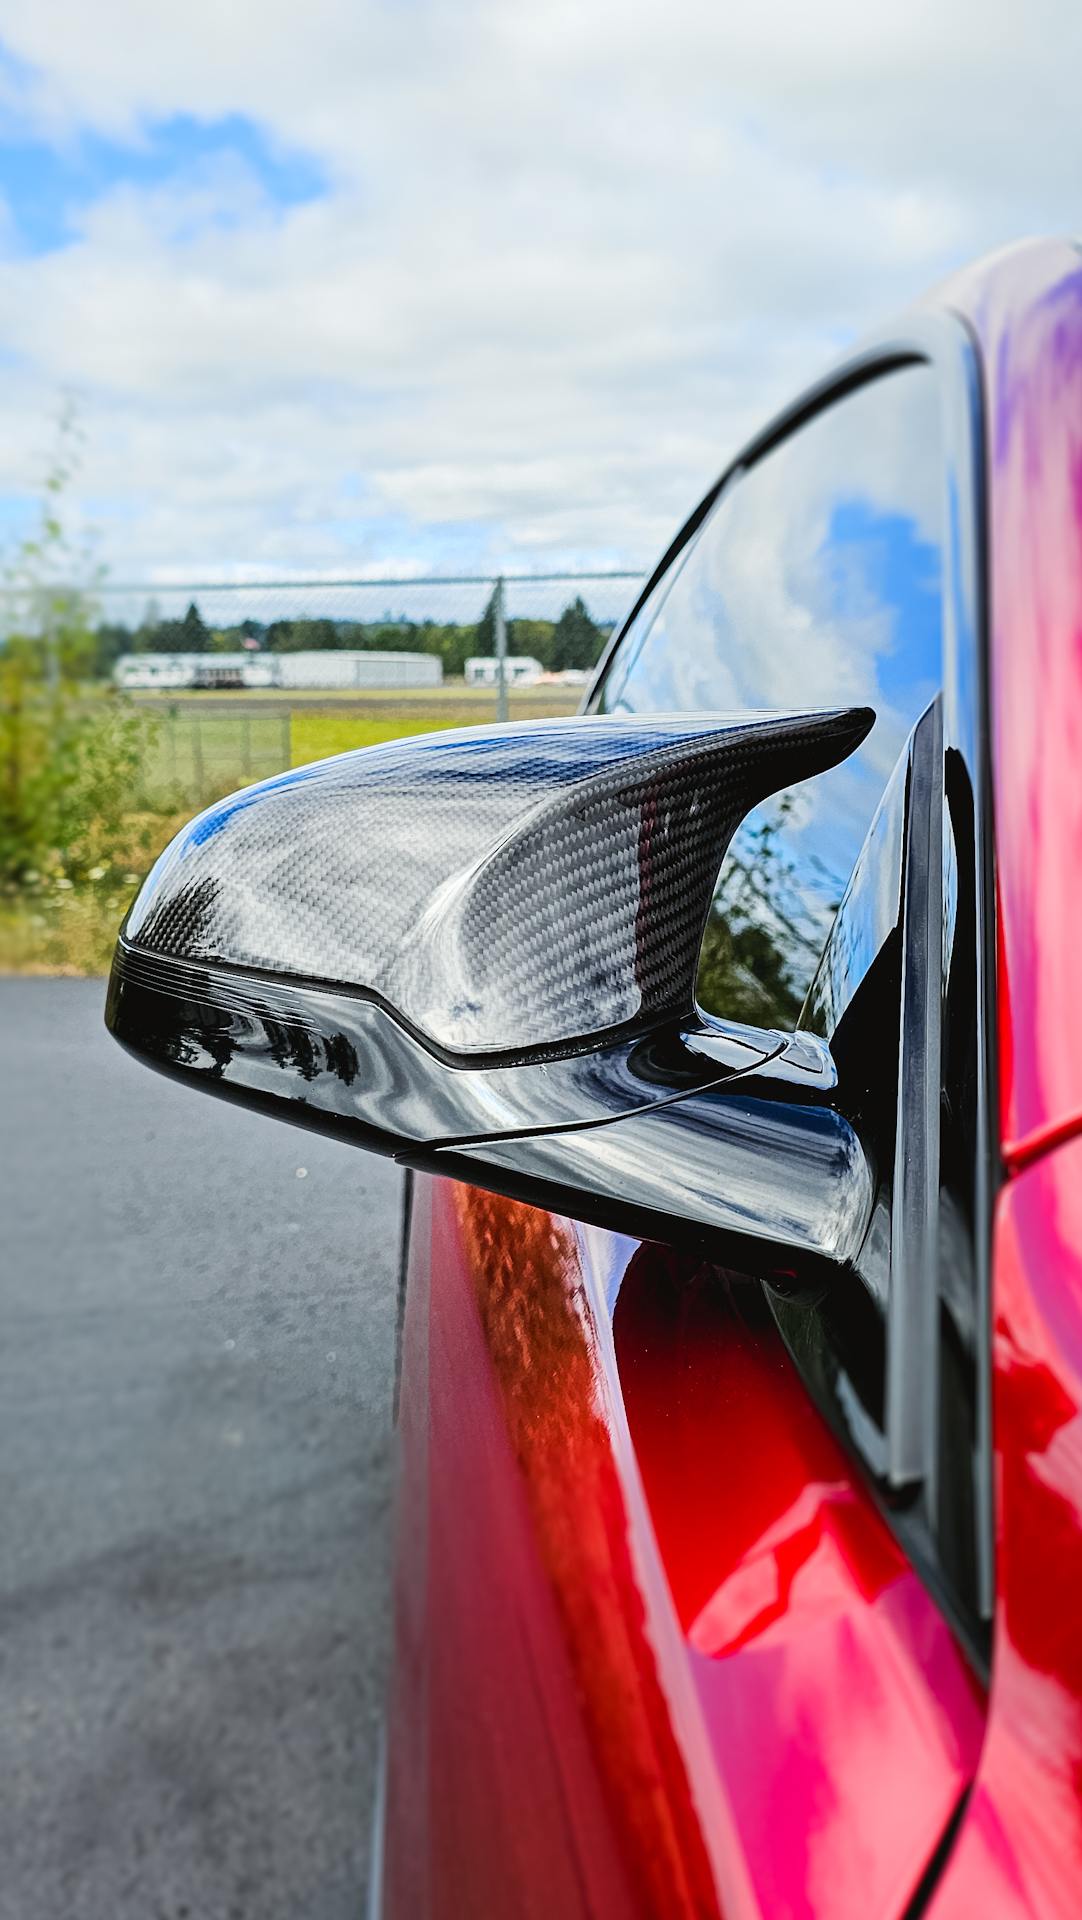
column 246, row 678
column 401, row 600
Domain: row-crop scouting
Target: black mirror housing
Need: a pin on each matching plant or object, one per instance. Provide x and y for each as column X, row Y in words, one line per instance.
column 465, row 942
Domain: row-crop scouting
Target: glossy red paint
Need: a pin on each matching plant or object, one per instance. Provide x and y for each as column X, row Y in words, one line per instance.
column 540, row 1769
column 1027, row 312
column 1020, row 1847
column 843, row 1722
column 645, row 1684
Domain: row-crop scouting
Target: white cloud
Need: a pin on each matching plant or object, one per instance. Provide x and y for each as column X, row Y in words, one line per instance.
column 567, row 257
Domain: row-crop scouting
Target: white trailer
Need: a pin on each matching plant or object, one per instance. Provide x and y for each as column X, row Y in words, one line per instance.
column 483, row 670
column 177, row 671
column 167, row 670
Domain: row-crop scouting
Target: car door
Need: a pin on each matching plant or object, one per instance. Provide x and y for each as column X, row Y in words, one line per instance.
column 694, row 1577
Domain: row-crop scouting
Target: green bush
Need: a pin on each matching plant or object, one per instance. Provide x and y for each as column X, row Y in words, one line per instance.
column 68, row 765
column 69, row 754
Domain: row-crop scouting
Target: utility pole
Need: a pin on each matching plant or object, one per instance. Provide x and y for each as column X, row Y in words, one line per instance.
column 501, row 653
column 50, row 638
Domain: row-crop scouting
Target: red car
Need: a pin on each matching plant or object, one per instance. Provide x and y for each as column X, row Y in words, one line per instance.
column 739, row 1561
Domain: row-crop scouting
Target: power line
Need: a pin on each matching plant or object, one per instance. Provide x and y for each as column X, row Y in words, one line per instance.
column 416, row 580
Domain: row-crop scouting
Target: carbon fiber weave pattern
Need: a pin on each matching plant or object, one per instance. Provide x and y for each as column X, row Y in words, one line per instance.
column 503, row 890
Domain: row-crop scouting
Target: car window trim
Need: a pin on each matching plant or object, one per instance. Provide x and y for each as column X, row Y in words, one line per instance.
column 942, row 339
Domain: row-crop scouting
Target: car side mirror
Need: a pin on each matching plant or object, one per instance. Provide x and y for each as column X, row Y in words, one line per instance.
column 476, row 951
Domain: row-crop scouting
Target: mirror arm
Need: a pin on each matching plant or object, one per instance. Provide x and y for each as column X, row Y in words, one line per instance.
column 767, row 1178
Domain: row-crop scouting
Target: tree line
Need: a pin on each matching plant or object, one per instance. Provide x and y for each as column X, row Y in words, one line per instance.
column 574, row 640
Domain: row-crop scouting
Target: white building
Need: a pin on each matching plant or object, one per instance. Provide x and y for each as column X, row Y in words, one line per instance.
column 328, row 667
column 483, row 670
column 319, row 667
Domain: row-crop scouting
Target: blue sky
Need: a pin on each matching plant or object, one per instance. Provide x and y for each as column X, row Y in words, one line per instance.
column 48, row 185
column 373, row 286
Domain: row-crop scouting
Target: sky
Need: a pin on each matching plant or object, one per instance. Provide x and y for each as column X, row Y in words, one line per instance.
column 371, row 287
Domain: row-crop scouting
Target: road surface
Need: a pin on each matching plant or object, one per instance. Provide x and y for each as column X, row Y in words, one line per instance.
column 195, row 1382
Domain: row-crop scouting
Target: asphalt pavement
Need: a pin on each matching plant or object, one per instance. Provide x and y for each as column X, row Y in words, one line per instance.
column 197, row 1308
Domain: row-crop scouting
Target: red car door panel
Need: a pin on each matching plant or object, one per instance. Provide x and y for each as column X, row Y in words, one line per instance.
column 674, row 1662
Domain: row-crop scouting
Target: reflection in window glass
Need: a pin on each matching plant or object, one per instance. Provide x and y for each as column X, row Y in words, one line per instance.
column 815, row 581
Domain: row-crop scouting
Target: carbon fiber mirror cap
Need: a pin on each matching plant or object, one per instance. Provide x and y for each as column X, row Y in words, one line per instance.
column 502, row 891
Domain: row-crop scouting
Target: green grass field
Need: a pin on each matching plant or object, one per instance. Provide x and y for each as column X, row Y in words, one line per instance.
column 479, row 701
column 206, row 744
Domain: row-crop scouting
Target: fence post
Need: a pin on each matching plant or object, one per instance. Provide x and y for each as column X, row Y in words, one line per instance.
column 197, row 756
column 501, row 652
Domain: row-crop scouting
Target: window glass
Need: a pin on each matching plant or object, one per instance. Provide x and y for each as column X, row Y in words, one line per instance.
column 814, row 581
